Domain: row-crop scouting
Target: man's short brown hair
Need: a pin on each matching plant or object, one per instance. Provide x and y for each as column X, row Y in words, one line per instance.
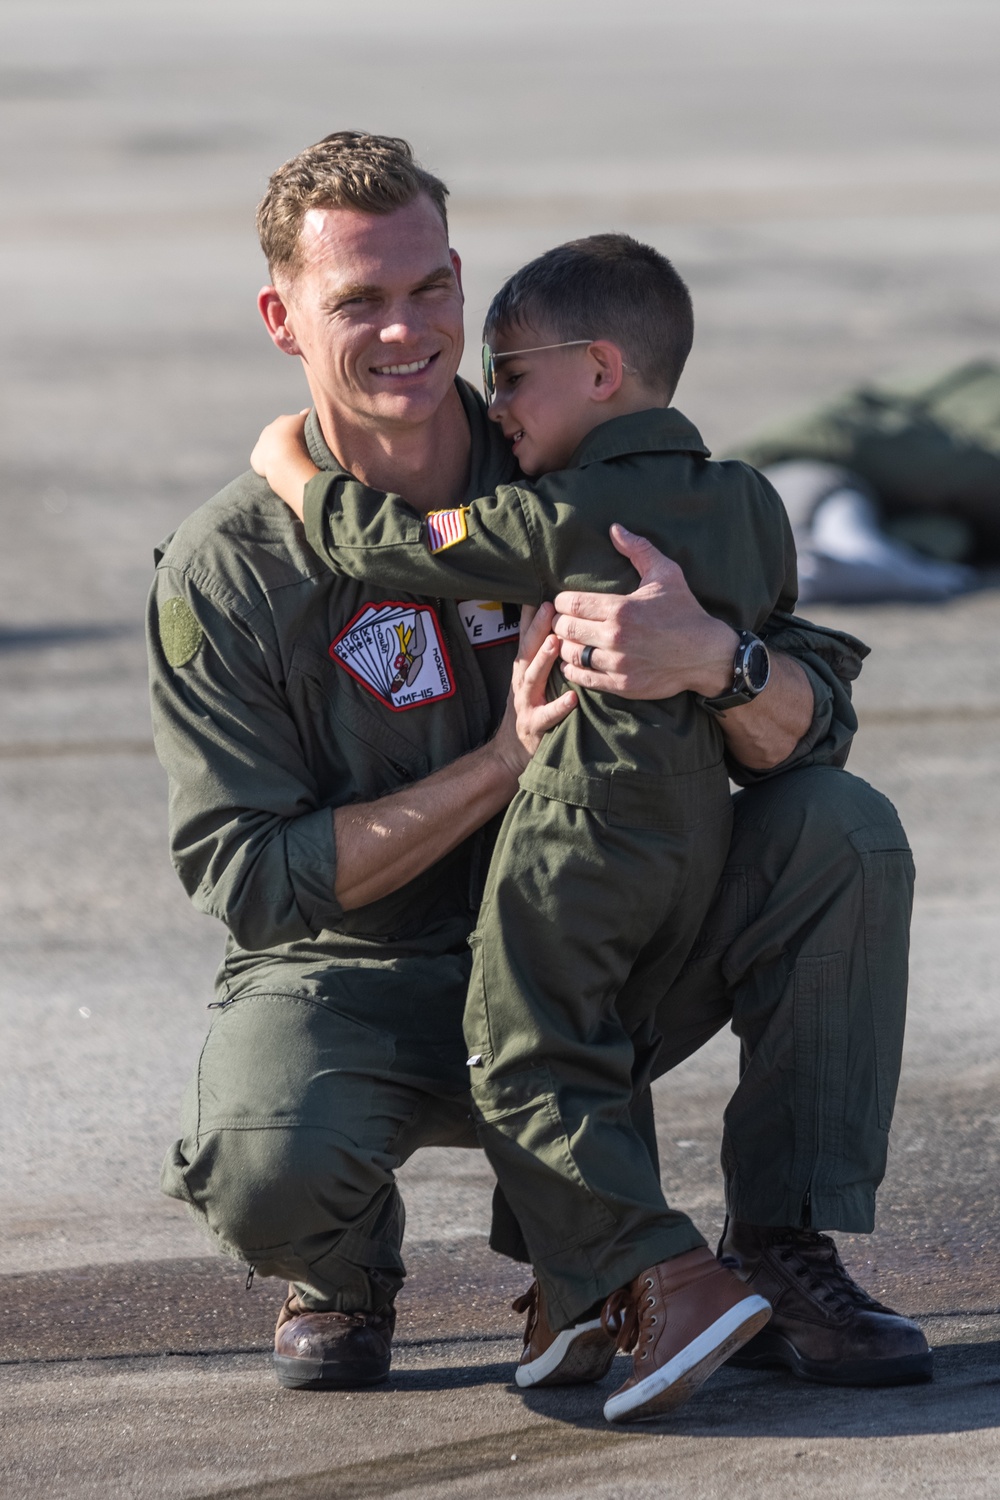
column 349, row 169
column 608, row 286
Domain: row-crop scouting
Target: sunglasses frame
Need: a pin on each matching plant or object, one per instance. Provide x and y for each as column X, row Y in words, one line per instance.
column 490, row 359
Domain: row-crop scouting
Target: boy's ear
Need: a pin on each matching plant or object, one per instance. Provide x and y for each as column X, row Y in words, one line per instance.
column 608, row 369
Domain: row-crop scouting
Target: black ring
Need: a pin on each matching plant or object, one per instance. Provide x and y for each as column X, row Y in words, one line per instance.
column 586, row 657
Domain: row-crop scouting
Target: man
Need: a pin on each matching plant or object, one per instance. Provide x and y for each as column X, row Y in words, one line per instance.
column 339, row 819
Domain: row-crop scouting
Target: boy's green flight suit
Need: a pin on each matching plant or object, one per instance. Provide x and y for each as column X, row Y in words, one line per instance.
column 336, row 1047
column 611, row 851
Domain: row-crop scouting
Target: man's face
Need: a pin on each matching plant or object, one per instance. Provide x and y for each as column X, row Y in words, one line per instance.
column 375, row 311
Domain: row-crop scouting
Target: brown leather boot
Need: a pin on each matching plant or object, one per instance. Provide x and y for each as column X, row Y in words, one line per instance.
column 575, row 1356
column 333, row 1350
column 825, row 1327
column 681, row 1320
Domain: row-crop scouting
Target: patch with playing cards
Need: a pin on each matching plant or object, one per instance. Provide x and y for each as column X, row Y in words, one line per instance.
column 396, row 651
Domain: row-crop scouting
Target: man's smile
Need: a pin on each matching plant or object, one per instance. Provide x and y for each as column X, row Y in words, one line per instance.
column 413, row 368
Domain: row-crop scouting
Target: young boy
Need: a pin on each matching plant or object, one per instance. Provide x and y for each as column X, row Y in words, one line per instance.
column 611, row 850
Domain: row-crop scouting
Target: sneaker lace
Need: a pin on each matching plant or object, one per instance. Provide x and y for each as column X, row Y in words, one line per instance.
column 815, row 1261
column 528, row 1303
column 621, row 1320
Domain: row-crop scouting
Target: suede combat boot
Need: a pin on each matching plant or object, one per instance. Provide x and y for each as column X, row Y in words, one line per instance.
column 824, row 1326
column 575, row 1356
column 680, row 1320
column 331, row 1350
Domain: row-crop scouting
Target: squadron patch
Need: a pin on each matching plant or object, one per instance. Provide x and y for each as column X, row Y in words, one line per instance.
column 446, row 527
column 487, row 623
column 180, row 633
column 396, row 651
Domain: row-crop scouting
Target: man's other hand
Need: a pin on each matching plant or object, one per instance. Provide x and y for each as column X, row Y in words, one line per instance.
column 652, row 643
column 529, row 715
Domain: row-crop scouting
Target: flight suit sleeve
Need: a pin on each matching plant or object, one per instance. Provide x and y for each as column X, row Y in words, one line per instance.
column 831, row 659
column 249, row 837
column 481, row 550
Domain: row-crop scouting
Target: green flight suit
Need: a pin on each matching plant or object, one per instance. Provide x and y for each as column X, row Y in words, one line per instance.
column 610, row 853
column 336, row 1046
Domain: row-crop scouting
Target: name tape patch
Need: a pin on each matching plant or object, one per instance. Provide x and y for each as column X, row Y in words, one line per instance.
column 445, row 528
column 396, row 651
column 487, row 623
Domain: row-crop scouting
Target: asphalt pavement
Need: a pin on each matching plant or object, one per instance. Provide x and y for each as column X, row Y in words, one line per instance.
column 827, row 178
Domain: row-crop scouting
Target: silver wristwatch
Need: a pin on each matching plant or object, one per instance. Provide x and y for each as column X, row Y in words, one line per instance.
column 751, row 674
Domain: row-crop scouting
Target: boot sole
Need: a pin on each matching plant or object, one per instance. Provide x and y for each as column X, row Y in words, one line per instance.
column 577, row 1356
column 314, row 1375
column 777, row 1352
column 677, row 1380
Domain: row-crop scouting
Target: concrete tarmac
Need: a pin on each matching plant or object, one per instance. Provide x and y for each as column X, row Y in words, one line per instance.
column 827, row 179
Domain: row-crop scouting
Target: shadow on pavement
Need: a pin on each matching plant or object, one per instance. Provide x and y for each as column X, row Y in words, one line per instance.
column 963, row 1397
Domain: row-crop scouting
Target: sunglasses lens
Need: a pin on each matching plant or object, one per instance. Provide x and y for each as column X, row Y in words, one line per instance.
column 489, row 385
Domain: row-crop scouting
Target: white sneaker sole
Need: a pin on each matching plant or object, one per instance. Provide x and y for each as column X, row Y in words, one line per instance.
column 676, row 1381
column 577, row 1355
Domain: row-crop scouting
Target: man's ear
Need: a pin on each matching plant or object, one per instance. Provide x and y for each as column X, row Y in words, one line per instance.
column 273, row 310
column 607, row 369
column 456, row 262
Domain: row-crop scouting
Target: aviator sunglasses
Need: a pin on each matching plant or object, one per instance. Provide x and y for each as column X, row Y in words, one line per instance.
column 490, row 360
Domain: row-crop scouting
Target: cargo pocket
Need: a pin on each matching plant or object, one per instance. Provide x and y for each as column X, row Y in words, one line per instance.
column 888, row 897
column 476, row 1019
column 524, row 1135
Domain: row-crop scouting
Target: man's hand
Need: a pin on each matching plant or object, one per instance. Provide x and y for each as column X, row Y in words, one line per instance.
column 528, row 714
column 280, row 456
column 652, row 643
column 659, row 641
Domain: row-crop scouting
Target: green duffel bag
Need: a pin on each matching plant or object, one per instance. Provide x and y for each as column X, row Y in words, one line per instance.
column 923, row 446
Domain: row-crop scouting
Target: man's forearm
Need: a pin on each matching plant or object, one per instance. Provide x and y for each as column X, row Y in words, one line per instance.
column 763, row 733
column 382, row 845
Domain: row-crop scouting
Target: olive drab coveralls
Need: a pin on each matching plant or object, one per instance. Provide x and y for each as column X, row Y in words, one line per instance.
column 336, row 1045
column 610, row 853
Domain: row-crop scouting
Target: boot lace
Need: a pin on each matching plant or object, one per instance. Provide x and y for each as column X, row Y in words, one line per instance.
column 816, row 1263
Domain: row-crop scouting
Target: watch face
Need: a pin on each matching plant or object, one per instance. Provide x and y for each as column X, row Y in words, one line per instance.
column 756, row 666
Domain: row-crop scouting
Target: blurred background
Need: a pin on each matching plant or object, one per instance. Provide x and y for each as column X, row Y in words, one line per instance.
column 826, row 177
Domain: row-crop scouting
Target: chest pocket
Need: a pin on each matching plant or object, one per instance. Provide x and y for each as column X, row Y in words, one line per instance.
column 358, row 756
column 354, row 752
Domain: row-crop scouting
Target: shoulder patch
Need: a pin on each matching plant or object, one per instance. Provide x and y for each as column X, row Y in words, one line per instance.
column 180, row 633
column 446, row 527
column 397, row 652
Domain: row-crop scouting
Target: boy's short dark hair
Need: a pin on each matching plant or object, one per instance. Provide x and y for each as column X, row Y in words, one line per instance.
column 608, row 286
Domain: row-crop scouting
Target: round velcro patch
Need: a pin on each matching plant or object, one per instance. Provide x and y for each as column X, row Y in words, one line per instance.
column 180, row 633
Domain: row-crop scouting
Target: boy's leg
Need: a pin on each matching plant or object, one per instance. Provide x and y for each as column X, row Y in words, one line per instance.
column 573, row 899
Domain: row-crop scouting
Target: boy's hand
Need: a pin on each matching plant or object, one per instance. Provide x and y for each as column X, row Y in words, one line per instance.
column 280, row 456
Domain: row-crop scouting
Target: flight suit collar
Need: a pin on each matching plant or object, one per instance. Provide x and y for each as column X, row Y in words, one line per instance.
column 659, row 430
column 490, row 459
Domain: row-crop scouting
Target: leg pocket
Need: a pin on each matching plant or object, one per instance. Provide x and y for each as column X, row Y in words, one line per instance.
column 524, row 1135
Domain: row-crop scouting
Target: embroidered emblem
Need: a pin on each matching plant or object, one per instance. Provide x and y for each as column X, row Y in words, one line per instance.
column 486, row 623
column 180, row 633
column 446, row 527
column 397, row 652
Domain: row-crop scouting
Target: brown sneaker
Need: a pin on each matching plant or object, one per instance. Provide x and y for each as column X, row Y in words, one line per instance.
column 825, row 1327
column 575, row 1356
column 681, row 1320
column 313, row 1350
